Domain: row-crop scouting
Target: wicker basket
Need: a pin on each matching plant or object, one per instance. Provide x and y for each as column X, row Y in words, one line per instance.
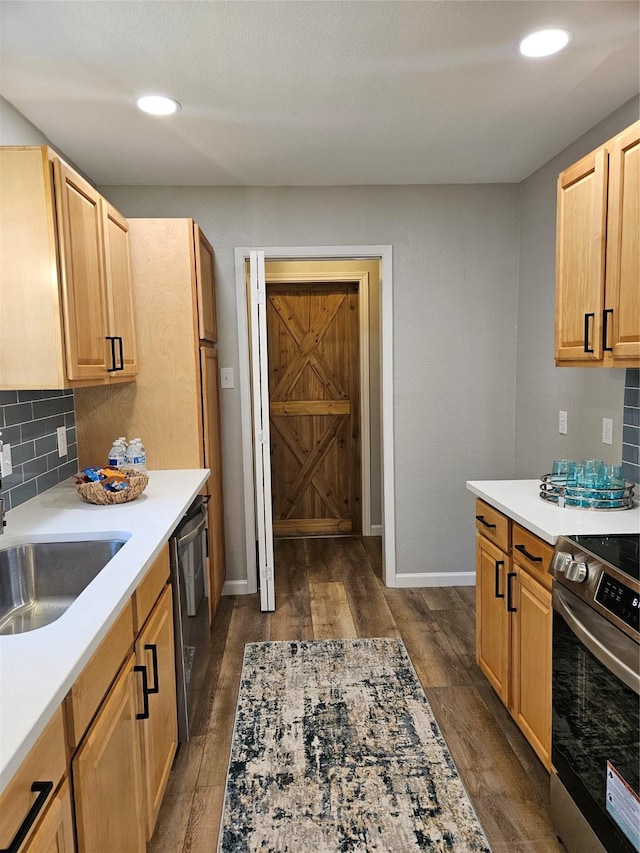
column 95, row 493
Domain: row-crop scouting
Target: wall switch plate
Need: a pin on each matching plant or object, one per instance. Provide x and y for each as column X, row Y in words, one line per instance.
column 562, row 423
column 6, row 465
column 607, row 430
column 226, row 377
column 62, row 441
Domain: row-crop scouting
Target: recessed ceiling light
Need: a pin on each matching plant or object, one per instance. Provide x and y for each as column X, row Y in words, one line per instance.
column 544, row 42
column 158, row 105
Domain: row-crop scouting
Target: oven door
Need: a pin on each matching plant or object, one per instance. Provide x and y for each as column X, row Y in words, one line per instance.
column 596, row 721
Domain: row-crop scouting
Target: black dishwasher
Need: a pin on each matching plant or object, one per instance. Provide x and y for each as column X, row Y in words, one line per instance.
column 188, row 550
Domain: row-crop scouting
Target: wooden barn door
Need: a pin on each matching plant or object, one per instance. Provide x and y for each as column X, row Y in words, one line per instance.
column 314, row 401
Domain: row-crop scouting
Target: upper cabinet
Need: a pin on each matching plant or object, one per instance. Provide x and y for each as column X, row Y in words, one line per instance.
column 65, row 282
column 597, row 257
column 205, row 289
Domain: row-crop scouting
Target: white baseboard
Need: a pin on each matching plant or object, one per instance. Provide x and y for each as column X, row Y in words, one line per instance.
column 404, row 581
column 376, row 530
column 236, row 587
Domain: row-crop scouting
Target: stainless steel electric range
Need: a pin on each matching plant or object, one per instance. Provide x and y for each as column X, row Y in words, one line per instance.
column 595, row 789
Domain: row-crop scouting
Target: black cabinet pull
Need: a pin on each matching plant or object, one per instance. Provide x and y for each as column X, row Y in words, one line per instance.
column 510, row 607
column 529, row 556
column 121, row 353
column 114, row 360
column 498, row 594
column 482, row 520
column 43, row 789
column 605, row 329
column 112, row 340
column 586, row 331
column 151, row 647
column 145, row 693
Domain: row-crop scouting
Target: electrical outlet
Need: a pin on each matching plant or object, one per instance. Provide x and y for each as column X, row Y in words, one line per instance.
column 226, row 377
column 62, row 441
column 607, row 430
column 562, row 423
column 6, row 465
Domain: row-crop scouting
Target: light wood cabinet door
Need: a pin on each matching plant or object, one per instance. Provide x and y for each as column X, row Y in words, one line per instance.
column 159, row 732
column 531, row 663
column 623, row 247
column 55, row 832
column 30, row 792
column 213, row 461
column 84, row 293
column 580, row 259
column 120, row 303
column 205, row 287
column 492, row 619
column 107, row 778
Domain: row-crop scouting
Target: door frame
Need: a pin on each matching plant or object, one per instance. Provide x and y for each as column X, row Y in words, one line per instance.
column 385, row 256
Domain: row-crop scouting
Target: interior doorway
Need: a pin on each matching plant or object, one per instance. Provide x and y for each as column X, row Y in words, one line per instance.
column 298, row 307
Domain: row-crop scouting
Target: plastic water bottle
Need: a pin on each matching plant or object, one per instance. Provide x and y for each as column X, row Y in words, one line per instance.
column 142, row 456
column 136, row 456
column 117, row 454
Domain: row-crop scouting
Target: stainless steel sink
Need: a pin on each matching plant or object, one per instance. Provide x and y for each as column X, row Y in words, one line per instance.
column 39, row 581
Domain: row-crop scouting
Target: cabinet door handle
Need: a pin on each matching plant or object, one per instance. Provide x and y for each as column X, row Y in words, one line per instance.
column 529, row 556
column 510, row 607
column 152, row 647
column 120, row 352
column 605, row 329
column 482, row 520
column 114, row 360
column 145, row 693
column 498, row 594
column 586, row 331
column 43, row 789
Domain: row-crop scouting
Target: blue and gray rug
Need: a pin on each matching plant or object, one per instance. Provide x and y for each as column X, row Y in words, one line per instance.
column 335, row 750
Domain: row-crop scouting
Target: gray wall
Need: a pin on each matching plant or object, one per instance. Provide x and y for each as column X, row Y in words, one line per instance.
column 455, row 275
column 542, row 390
column 15, row 129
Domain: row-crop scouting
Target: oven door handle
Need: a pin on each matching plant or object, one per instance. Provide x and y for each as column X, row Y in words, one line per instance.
column 190, row 537
column 589, row 638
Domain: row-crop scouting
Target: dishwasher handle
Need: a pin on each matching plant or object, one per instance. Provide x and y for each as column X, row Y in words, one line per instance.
column 184, row 541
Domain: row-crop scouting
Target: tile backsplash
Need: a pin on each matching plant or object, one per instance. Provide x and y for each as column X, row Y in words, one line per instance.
column 28, row 422
column 631, row 425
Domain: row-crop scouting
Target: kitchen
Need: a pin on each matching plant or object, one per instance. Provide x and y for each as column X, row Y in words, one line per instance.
column 481, row 255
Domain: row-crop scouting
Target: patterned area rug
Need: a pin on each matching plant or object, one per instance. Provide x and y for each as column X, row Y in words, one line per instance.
column 335, row 749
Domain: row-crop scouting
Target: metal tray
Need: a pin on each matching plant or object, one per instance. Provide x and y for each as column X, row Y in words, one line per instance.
column 577, row 497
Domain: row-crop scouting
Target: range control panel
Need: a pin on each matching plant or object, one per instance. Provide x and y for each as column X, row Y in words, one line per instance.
column 619, row 600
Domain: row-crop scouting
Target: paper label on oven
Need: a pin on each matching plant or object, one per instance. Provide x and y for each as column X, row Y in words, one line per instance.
column 623, row 805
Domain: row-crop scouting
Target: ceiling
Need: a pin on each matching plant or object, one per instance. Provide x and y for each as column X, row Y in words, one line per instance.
column 314, row 93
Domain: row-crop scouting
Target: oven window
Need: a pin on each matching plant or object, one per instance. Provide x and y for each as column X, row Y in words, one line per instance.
column 596, row 720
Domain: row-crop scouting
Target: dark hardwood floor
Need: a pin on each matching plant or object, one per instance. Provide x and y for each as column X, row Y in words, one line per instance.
column 332, row 588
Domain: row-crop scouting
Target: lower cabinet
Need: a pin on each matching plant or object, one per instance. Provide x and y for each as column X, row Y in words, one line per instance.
column 513, row 628
column 531, row 663
column 159, row 730
column 492, row 618
column 107, row 774
column 122, row 763
column 35, row 807
column 55, row 832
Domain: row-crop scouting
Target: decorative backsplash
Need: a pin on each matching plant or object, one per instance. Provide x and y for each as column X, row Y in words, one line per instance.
column 28, row 422
column 631, row 426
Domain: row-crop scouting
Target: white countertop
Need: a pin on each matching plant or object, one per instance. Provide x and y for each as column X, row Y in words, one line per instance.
column 37, row 668
column 520, row 500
